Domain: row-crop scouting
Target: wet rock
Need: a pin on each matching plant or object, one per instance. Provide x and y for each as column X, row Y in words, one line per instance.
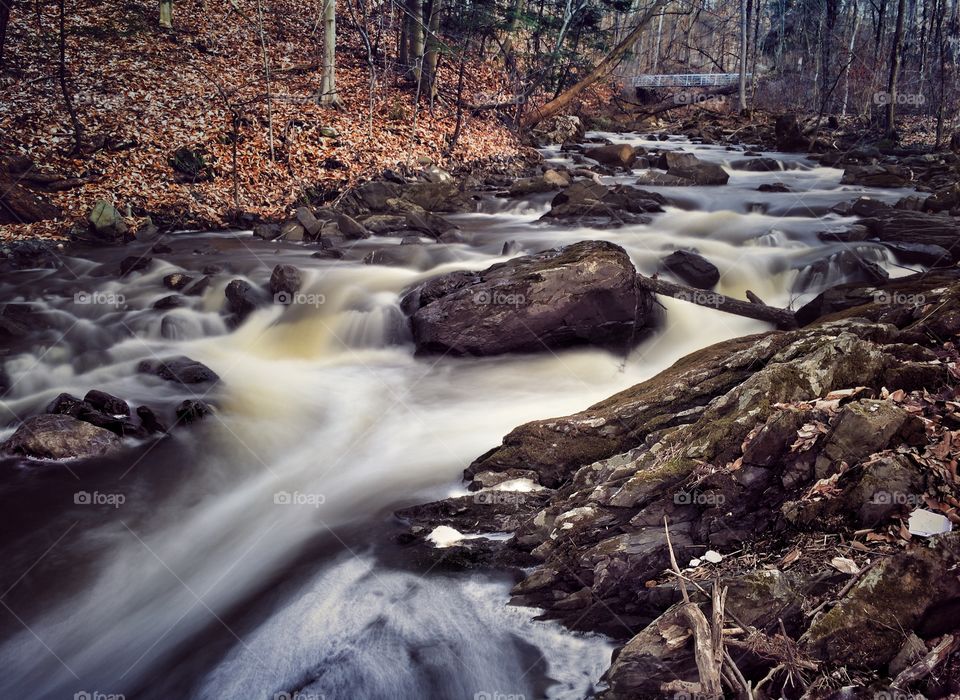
column 778, row 187
column 242, row 298
column 876, row 176
column 692, row 268
column 67, row 404
column 758, row 165
column 106, row 222
column 267, row 232
column 150, row 420
column 177, row 281
column 383, row 224
column 590, row 203
column 60, row 436
column 920, row 254
column 584, row 293
column 197, row 288
column 617, row 155
column 172, row 301
column 109, row 404
column 311, row 225
column 192, row 411
column 292, row 231
column 655, row 178
column 134, row 263
column 285, row 280
column 437, row 196
column 434, row 174
column 351, row 229
column 181, row 370
column 328, row 253
column 695, row 170
column 530, row 185
column 867, row 628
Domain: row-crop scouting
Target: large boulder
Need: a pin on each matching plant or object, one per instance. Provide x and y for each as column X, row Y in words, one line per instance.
column 49, row 436
column 586, row 203
column 583, row 293
column 618, row 155
column 867, row 628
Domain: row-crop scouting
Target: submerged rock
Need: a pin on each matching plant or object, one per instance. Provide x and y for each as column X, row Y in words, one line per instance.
column 692, row 268
column 580, row 294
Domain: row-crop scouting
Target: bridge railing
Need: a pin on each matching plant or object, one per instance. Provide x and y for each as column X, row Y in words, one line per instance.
column 688, row 80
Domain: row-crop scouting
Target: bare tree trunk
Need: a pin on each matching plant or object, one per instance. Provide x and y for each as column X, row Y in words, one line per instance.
column 266, row 77
column 850, row 48
column 62, row 75
column 562, row 101
column 328, row 80
column 895, row 67
column 433, row 50
column 744, row 47
column 415, row 42
column 166, row 14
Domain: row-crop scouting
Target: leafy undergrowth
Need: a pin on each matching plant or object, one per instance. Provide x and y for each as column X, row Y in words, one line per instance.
column 141, row 93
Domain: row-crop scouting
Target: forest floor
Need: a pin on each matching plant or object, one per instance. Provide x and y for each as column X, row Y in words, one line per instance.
column 141, row 93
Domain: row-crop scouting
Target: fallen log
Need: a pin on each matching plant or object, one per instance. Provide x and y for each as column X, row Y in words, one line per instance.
column 781, row 318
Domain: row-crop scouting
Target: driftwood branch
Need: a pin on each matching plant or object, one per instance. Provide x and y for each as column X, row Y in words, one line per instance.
column 781, row 318
column 923, row 668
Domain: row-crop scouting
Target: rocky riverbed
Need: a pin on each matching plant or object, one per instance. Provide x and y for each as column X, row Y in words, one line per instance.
column 274, row 423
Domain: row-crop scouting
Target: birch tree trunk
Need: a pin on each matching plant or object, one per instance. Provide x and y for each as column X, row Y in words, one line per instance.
column 744, row 46
column 328, row 80
column 433, row 50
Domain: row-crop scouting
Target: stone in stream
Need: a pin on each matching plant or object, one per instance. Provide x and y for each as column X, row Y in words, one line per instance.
column 585, row 293
column 590, row 203
column 758, row 165
column 181, row 370
column 877, row 176
column 49, row 436
column 351, row 229
column 285, row 280
column 134, row 263
column 267, row 232
column 171, row 301
column 150, row 420
column 242, row 298
column 692, row 268
column 109, row 404
column 292, row 231
column 192, row 411
column 620, row 155
column 177, row 281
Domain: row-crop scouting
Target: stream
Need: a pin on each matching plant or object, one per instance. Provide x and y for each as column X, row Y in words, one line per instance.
column 251, row 556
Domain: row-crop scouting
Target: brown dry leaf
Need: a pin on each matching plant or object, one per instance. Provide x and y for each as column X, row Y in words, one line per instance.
column 847, row 566
column 790, row 558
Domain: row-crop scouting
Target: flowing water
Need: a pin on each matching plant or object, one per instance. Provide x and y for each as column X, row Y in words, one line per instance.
column 251, row 555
